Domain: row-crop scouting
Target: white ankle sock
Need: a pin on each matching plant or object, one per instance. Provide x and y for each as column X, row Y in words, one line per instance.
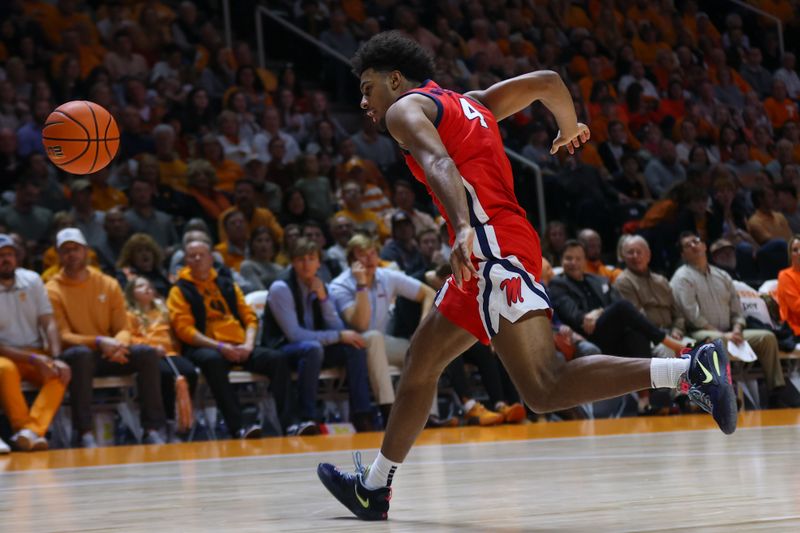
column 380, row 473
column 666, row 373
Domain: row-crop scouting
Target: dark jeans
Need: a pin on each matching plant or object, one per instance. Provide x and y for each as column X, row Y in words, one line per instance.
column 186, row 369
column 488, row 368
column 310, row 356
column 623, row 330
column 86, row 364
column 272, row 363
column 770, row 259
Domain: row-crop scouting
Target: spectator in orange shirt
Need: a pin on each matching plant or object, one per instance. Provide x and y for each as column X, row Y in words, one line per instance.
column 779, row 107
column 228, row 172
column 593, row 245
column 788, row 294
column 234, row 248
column 244, row 198
column 211, row 318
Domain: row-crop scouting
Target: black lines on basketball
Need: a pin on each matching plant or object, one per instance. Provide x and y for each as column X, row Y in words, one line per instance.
column 88, row 138
column 105, row 137
column 96, row 136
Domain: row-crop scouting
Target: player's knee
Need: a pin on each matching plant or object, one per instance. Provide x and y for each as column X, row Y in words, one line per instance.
column 538, row 391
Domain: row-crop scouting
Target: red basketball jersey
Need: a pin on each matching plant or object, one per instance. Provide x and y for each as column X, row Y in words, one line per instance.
column 506, row 252
column 469, row 132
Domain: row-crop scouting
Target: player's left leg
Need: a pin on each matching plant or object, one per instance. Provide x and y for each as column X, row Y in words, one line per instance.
column 436, row 342
column 548, row 384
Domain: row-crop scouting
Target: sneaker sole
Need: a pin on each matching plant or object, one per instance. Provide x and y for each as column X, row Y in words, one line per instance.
column 727, row 395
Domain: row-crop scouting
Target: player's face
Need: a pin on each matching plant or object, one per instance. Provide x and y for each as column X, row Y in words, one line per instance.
column 377, row 94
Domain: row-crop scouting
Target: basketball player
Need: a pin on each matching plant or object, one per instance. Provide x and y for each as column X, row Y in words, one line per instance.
column 453, row 146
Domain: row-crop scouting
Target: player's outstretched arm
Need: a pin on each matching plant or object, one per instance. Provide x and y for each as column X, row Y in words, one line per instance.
column 515, row 94
column 410, row 124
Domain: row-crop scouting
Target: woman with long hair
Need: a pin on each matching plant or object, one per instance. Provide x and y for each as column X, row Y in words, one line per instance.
column 148, row 322
column 142, row 256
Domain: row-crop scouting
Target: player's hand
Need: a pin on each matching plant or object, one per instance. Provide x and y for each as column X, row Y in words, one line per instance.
column 573, row 139
column 461, row 256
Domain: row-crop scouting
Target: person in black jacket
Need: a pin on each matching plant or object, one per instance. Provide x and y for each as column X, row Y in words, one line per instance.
column 593, row 308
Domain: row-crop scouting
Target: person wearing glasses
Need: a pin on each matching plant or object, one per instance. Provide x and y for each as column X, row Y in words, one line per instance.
column 711, row 307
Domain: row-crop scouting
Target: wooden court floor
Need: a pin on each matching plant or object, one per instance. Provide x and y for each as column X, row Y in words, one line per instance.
column 642, row 474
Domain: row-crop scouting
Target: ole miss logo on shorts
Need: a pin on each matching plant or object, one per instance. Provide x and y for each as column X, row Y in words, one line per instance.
column 513, row 290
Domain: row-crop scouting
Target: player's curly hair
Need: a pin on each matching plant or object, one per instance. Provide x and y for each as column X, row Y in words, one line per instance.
column 391, row 50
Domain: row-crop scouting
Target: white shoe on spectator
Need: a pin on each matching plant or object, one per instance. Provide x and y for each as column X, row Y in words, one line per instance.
column 153, row 437
column 251, row 432
column 4, row 447
column 26, row 440
column 87, row 441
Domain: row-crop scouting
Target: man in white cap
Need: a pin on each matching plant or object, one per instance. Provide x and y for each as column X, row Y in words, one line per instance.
column 90, row 311
column 26, row 321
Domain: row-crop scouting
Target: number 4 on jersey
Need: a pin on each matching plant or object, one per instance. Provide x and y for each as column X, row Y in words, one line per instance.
column 471, row 113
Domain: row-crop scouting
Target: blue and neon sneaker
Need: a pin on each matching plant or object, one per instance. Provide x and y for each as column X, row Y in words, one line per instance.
column 709, row 379
column 349, row 489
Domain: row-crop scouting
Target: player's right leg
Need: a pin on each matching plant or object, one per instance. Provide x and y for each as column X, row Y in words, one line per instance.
column 435, row 344
column 548, row 384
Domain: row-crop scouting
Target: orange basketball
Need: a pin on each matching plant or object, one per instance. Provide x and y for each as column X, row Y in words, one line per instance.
column 80, row 137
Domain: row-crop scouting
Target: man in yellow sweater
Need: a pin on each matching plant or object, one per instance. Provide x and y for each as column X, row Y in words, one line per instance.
column 218, row 328
column 90, row 311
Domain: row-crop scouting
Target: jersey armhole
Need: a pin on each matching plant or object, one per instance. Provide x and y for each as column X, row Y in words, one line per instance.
column 439, row 106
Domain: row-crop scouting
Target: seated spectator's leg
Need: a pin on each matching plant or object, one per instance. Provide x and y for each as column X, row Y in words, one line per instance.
column 144, row 361
column 82, row 362
column 772, row 258
column 510, row 392
column 355, row 362
column 396, row 351
column 458, row 378
column 275, row 365
column 746, row 265
column 614, row 326
column 378, row 368
column 215, row 370
column 585, row 347
column 11, row 398
column 636, row 344
column 307, row 357
column 47, row 401
column 765, row 345
column 488, row 367
column 185, row 369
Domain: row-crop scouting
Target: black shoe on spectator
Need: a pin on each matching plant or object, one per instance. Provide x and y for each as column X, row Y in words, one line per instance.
column 304, row 429
column 250, row 432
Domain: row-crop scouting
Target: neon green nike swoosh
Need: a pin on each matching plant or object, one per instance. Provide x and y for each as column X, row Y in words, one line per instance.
column 365, row 501
column 716, row 363
column 708, row 379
